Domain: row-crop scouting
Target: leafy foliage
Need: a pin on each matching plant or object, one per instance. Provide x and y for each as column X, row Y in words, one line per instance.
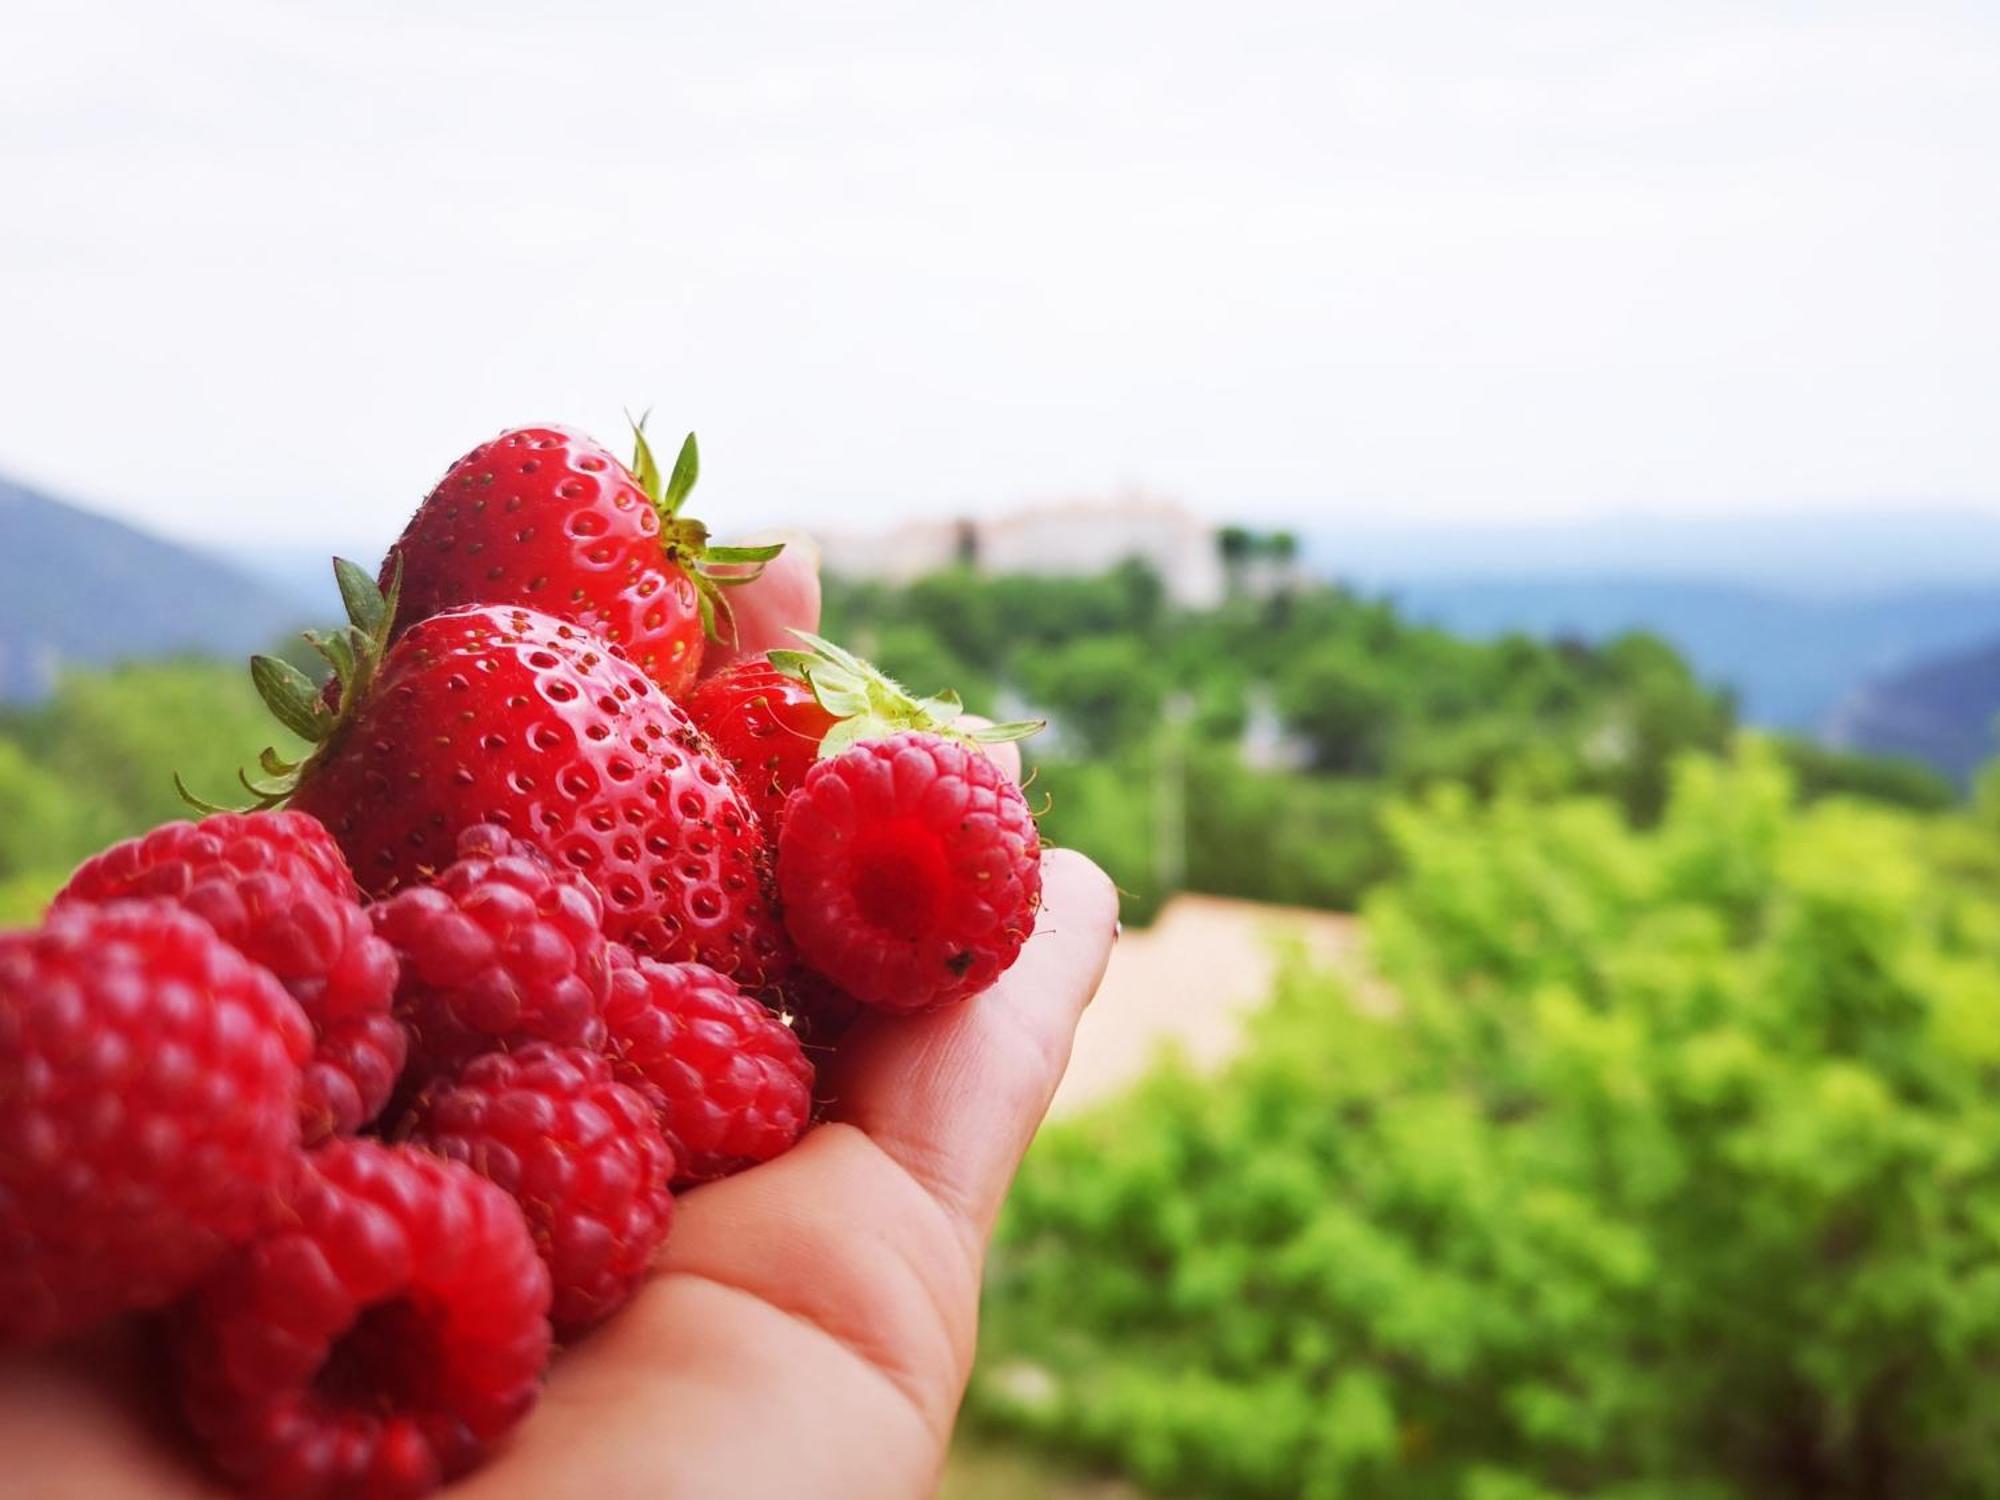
column 95, row 763
column 1250, row 750
column 1674, row 1171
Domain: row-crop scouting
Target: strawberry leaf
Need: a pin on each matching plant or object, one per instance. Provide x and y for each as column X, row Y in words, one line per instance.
column 338, row 652
column 869, row 704
column 645, row 467
column 741, row 556
column 200, row 804
column 1000, row 734
column 391, row 602
column 366, row 607
column 290, row 695
column 687, row 469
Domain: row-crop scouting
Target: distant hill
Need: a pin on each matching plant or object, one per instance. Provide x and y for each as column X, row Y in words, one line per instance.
column 81, row 588
column 1792, row 660
column 1942, row 711
column 304, row 575
column 1824, row 554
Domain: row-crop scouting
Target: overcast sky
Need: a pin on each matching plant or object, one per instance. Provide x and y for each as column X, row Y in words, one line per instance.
column 265, row 269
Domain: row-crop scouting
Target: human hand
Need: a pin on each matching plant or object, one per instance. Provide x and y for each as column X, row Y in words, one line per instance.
column 810, row 1327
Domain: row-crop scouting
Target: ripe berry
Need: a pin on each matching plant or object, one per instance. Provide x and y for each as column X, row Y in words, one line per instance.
column 510, row 717
column 275, row 887
column 544, row 516
column 502, row 951
column 773, row 718
column 375, row 1344
column 732, row 1083
column 910, row 870
column 581, row 1153
column 767, row 724
column 149, row 1079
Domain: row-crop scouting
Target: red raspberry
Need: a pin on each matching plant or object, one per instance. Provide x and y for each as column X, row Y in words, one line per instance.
column 768, row 724
column 581, row 1153
column 275, row 886
column 910, row 870
column 733, row 1085
column 149, row 1079
column 504, row 950
column 379, row 1341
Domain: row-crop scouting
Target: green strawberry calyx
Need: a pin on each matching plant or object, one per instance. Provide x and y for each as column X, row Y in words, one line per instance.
column 868, row 705
column 712, row 568
column 313, row 711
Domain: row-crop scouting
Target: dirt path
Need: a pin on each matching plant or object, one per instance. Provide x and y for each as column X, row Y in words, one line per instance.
column 1190, row 977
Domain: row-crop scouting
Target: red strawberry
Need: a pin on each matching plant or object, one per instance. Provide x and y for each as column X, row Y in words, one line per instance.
column 911, row 870
column 507, row 716
column 545, row 517
column 767, row 724
column 773, row 718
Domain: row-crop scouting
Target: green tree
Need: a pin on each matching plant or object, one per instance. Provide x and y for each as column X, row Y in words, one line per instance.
column 1339, row 698
column 96, row 762
column 42, row 822
column 1106, row 691
column 1673, row 1170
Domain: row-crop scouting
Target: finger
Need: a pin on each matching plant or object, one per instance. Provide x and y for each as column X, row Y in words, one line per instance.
column 92, row 1418
column 784, row 597
column 955, row 1096
column 1006, row 754
column 807, row 1333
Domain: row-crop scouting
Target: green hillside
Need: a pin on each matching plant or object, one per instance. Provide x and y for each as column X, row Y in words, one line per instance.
column 79, row 590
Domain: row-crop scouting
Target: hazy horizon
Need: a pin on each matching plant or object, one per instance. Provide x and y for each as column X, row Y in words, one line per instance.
column 271, row 268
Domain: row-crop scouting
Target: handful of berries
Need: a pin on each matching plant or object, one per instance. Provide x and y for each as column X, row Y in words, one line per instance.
column 376, row 1091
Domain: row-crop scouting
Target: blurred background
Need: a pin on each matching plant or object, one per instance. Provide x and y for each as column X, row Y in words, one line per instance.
column 1500, row 506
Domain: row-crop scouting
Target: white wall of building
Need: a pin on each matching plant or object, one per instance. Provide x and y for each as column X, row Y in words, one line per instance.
column 1073, row 540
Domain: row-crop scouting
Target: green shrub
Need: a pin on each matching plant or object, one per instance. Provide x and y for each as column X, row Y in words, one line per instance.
column 23, row 898
column 1674, row 1172
column 96, row 762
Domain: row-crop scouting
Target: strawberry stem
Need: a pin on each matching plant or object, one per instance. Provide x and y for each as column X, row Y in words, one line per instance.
column 869, row 704
column 297, row 702
column 685, row 540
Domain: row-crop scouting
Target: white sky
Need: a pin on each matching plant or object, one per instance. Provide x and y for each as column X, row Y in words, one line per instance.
column 266, row 268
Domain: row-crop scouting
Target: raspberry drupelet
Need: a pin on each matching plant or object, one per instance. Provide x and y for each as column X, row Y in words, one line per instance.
column 580, row 1152
column 910, row 871
column 149, row 1079
column 503, row 950
column 732, row 1083
column 377, row 1343
column 275, row 887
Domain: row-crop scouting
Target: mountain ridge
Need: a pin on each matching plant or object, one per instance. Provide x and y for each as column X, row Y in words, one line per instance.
column 1792, row 660
column 1942, row 711
column 81, row 588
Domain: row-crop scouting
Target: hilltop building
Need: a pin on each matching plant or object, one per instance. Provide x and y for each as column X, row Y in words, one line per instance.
column 1074, row 539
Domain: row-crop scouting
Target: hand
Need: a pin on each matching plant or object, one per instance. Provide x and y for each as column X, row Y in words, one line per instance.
column 810, row 1327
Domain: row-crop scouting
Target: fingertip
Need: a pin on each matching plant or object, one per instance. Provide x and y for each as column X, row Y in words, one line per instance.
column 1006, row 754
column 784, row 597
column 1086, row 892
